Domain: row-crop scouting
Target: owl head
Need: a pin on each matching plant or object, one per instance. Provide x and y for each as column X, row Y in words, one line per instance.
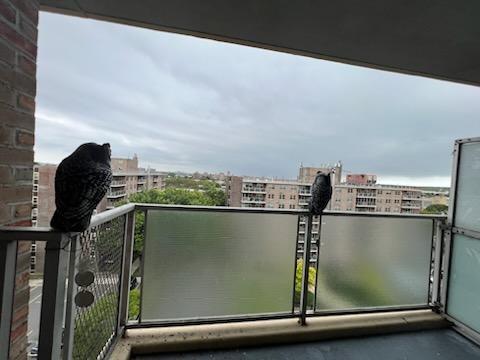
column 94, row 152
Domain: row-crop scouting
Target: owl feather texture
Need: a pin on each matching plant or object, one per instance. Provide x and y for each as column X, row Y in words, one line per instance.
column 81, row 181
column 321, row 193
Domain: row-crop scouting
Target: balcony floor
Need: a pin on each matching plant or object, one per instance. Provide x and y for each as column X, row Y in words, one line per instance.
column 422, row 345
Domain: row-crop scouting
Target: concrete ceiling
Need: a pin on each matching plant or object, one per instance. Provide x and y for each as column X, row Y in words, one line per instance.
column 438, row 39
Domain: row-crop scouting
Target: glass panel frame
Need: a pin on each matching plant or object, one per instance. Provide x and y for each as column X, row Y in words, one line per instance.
column 428, row 266
column 144, row 317
column 452, row 232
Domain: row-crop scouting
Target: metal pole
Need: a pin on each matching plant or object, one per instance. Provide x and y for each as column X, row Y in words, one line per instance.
column 8, row 259
column 70, row 311
column 437, row 263
column 53, row 298
column 125, row 271
column 306, row 268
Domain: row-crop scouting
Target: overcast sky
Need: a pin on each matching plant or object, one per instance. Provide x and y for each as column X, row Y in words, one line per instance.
column 189, row 104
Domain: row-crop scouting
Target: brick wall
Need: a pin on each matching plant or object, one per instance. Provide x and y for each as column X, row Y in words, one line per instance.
column 18, row 52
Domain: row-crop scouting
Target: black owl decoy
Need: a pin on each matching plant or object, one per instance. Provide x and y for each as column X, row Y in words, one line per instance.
column 81, row 181
column 321, row 193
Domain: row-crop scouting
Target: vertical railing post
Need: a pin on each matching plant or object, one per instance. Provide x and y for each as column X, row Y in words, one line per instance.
column 306, row 271
column 437, row 262
column 70, row 310
column 53, row 298
column 125, row 271
column 8, row 256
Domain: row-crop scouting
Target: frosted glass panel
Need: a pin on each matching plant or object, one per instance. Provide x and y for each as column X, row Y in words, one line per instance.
column 206, row 264
column 467, row 212
column 373, row 262
column 464, row 281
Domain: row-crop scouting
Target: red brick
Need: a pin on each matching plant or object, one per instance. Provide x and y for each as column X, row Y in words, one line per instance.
column 24, row 83
column 29, row 8
column 24, row 246
column 7, row 53
column 5, row 213
column 6, row 175
column 5, row 135
column 23, row 211
column 21, row 280
column 23, row 310
column 21, row 223
column 17, row 119
column 23, row 263
column 6, row 94
column 27, row 66
column 18, row 40
column 15, row 194
column 24, row 138
column 27, row 29
column 16, row 157
column 26, row 102
column 7, row 11
column 19, row 331
column 24, row 174
column 6, row 73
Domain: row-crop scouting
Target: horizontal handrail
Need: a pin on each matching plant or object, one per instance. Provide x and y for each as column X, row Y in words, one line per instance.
column 11, row 233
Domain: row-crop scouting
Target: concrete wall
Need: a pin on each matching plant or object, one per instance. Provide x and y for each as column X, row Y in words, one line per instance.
column 18, row 53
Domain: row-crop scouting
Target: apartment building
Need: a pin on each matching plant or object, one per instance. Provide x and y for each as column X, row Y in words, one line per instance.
column 358, row 193
column 128, row 179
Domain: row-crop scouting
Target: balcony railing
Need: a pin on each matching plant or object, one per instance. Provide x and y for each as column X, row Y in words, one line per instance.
column 210, row 264
column 116, row 194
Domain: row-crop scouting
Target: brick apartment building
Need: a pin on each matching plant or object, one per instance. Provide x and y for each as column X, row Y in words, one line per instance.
column 358, row 193
column 128, row 178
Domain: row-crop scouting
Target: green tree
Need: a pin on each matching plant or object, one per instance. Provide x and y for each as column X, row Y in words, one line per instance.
column 435, row 209
column 312, row 272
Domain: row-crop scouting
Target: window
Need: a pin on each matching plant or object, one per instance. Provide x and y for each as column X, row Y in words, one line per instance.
column 396, row 201
column 292, row 197
column 350, row 190
column 292, row 206
column 281, row 206
column 388, row 201
column 379, row 191
column 397, row 192
column 387, row 209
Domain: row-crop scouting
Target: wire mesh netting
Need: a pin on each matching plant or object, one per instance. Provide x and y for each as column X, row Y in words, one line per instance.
column 97, row 282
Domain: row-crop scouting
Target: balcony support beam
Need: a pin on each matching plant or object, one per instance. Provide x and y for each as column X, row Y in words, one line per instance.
column 53, row 297
column 8, row 257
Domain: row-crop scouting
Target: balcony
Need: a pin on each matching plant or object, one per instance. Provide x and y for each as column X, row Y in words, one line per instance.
column 241, row 263
column 116, row 194
column 118, row 183
column 254, row 191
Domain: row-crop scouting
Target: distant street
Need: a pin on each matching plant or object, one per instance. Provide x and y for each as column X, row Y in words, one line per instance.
column 34, row 311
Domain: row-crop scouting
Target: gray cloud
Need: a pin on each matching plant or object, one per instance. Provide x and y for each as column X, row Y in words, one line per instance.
column 183, row 103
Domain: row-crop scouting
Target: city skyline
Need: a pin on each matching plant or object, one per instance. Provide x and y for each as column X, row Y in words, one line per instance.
column 190, row 104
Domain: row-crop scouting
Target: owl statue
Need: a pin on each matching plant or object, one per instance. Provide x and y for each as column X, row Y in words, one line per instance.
column 81, row 181
column 321, row 193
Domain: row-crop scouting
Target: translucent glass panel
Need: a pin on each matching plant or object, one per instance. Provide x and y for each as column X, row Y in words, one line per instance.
column 464, row 281
column 207, row 264
column 368, row 261
column 467, row 198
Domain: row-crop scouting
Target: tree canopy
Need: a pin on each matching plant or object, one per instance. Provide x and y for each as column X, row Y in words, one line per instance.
column 213, row 195
column 435, row 209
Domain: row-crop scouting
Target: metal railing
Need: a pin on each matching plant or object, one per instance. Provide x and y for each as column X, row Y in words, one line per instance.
column 87, row 276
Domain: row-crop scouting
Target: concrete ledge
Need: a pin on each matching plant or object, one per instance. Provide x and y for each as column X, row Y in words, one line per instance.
column 253, row 333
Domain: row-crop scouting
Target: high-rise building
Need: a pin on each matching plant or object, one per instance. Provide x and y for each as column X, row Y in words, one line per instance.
column 128, row 179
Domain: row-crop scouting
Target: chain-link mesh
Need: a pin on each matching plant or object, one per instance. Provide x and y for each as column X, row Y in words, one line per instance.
column 99, row 253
